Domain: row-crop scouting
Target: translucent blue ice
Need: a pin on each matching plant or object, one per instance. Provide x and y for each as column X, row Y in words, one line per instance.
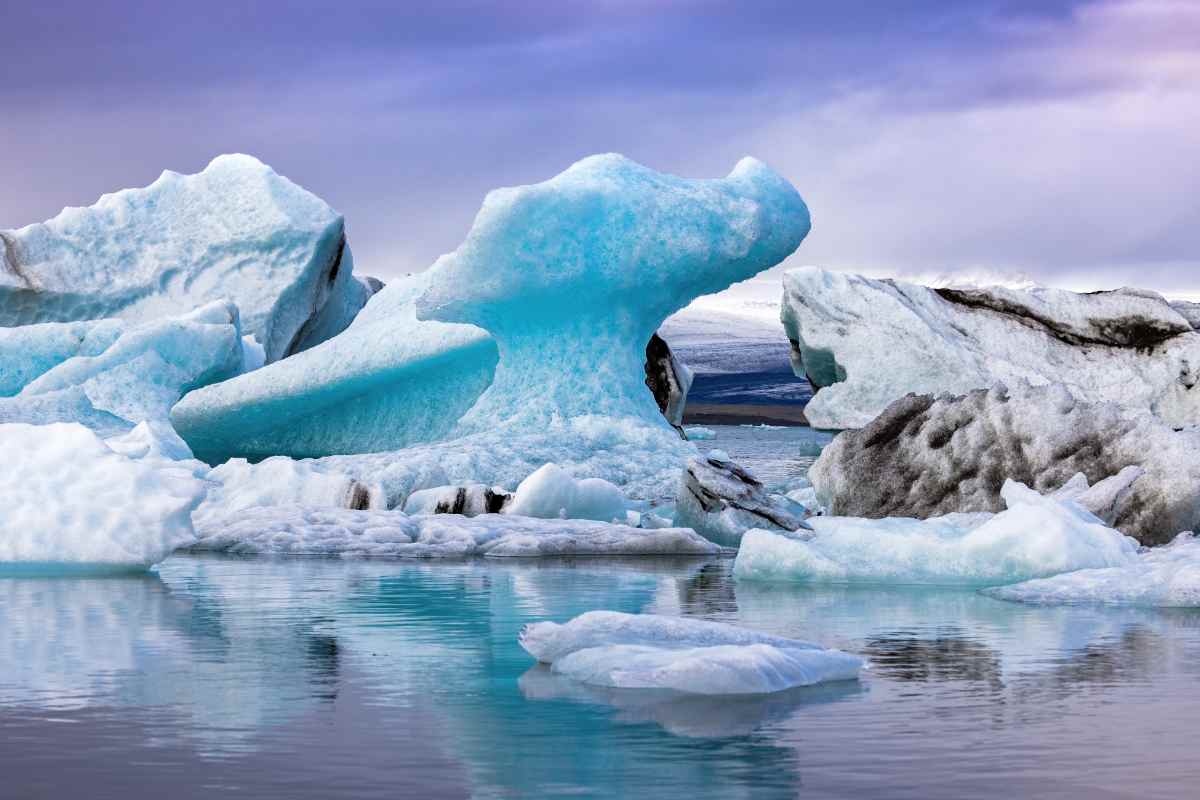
column 570, row 277
column 110, row 375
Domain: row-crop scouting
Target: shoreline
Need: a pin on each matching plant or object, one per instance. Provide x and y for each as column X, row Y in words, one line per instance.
column 733, row 414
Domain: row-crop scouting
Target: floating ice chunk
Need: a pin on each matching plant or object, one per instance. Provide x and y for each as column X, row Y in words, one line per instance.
column 120, row 374
column 865, row 343
column 551, row 493
column 722, row 501
column 1168, row 575
column 646, row 651
column 926, row 456
column 298, row 530
column 697, row 432
column 1035, row 537
column 71, row 499
column 388, row 381
column 237, row 230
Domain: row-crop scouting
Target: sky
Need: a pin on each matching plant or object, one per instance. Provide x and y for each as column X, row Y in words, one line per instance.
column 1052, row 141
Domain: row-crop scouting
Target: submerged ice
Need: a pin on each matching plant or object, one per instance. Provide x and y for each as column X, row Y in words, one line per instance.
column 1034, row 537
column 646, row 651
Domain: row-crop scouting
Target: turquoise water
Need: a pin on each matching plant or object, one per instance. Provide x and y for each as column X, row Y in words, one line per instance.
column 312, row 678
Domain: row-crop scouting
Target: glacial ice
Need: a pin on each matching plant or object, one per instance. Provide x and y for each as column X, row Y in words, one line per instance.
column 1167, row 576
column 1034, row 537
column 719, row 499
column 865, row 343
column 639, row 245
column 569, row 386
column 236, row 231
column 926, row 456
column 697, row 433
column 110, row 374
column 646, row 651
column 388, row 381
column 70, row 498
column 300, row 530
column 551, row 493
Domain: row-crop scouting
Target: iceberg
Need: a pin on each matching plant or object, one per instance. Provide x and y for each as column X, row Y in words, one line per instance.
column 926, row 456
column 110, row 374
column 569, row 384
column 722, row 501
column 74, row 499
column 1034, row 537
column 647, row 651
column 236, row 231
column 388, row 381
column 1167, row 576
column 865, row 343
column 300, row 530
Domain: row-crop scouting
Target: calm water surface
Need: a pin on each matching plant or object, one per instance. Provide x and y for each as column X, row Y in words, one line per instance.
column 310, row 678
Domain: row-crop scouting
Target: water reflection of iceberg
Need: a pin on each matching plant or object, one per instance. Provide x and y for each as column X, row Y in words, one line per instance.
column 690, row 715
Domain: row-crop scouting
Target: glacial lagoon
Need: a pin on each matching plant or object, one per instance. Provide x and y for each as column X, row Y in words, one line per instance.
column 309, row 677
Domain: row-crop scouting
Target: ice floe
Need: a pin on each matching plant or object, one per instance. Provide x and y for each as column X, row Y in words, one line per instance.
column 1034, row 537
column 300, row 530
column 646, row 651
column 1168, row 576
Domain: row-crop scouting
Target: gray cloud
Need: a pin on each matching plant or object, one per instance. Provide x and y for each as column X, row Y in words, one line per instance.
column 1051, row 139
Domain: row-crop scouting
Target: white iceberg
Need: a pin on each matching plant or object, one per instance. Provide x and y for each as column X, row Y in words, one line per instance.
column 235, row 231
column 646, row 651
column 569, row 386
column 300, row 530
column 115, row 374
column 1166, row 576
column 864, row 343
column 550, row 493
column 71, row 498
column 1035, row 537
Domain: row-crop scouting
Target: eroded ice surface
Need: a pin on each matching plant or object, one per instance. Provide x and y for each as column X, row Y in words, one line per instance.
column 926, row 456
column 551, row 493
column 111, row 374
column 388, row 381
column 569, row 387
column 70, row 498
column 235, row 231
column 646, row 651
column 1034, row 537
column 1161, row 576
column 864, row 343
column 300, row 530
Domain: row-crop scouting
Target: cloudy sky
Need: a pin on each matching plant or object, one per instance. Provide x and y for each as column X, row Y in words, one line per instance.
column 1054, row 140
